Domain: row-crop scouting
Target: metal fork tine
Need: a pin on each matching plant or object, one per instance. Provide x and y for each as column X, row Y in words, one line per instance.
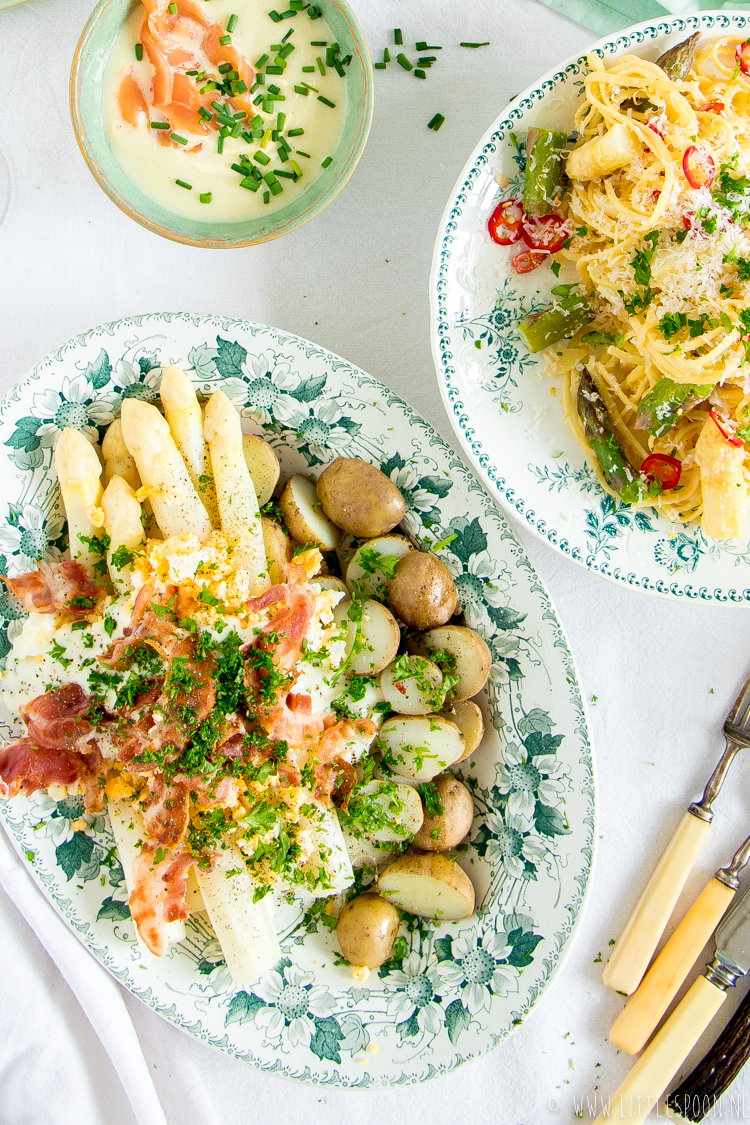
column 739, row 712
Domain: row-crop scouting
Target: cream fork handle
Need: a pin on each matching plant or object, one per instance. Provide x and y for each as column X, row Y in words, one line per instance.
column 632, row 953
column 639, row 1093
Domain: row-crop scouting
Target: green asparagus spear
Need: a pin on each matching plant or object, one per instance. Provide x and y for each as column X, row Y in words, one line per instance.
column 540, row 329
column 663, row 406
column 613, row 462
column 542, row 189
column 676, row 62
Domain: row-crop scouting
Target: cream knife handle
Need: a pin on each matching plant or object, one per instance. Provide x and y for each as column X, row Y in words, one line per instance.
column 639, row 939
column 661, row 983
column 657, row 1066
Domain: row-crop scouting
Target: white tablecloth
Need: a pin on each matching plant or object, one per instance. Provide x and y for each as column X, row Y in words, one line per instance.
column 356, row 281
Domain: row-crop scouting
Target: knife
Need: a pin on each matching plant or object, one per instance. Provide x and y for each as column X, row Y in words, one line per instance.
column 639, row 1093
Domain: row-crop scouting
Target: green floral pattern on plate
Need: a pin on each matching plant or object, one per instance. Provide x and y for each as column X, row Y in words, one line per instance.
column 496, row 393
column 449, row 993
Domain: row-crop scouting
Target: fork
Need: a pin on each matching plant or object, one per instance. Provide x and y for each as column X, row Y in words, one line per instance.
column 634, row 950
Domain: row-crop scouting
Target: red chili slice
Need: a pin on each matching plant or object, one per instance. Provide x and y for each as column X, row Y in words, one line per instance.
column 723, row 425
column 742, row 56
column 712, row 107
column 667, row 470
column 687, row 221
column 699, row 167
column 528, row 260
column 505, row 222
column 544, row 233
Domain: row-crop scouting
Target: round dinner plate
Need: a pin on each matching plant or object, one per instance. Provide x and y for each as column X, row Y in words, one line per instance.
column 454, row 991
column 500, row 402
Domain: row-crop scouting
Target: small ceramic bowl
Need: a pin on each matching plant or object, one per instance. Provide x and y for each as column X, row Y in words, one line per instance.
column 86, row 85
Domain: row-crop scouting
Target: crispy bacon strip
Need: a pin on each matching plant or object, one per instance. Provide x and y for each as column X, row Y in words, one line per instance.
column 25, row 768
column 158, row 895
column 54, row 587
column 166, row 812
column 56, row 720
column 334, row 741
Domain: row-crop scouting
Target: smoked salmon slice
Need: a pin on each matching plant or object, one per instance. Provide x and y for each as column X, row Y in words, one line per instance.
column 131, row 100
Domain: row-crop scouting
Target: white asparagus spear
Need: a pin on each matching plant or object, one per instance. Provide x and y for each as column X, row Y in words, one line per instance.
column 330, row 852
column 238, row 503
column 243, row 927
column 177, row 506
column 122, row 523
column 128, row 830
column 183, row 413
column 117, row 458
column 79, row 473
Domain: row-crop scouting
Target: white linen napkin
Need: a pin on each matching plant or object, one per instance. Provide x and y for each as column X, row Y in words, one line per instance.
column 41, row 1031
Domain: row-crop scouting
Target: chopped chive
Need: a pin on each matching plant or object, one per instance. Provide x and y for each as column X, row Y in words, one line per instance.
column 487, row 44
column 203, row 112
column 346, row 60
column 280, row 61
column 273, row 183
column 209, row 86
column 301, row 90
column 250, row 183
column 280, row 122
column 139, row 53
column 321, row 68
column 318, row 43
column 301, row 153
column 296, row 168
column 275, row 47
column 239, row 87
column 309, row 87
column 379, row 66
column 285, row 37
column 422, row 46
column 419, row 74
column 274, row 90
column 257, row 100
column 239, row 168
column 232, row 22
column 339, row 68
column 274, row 15
column 297, row 5
column 206, row 197
column 248, row 137
column 325, row 101
column 223, row 132
column 335, row 48
column 274, row 69
column 162, row 124
column 436, row 122
column 237, row 129
column 308, row 70
column 176, row 137
column 287, row 14
column 220, row 145
column 225, row 68
column 181, row 183
column 386, row 55
column 286, row 175
column 397, row 36
column 286, row 51
column 261, row 62
column 330, row 53
column 402, row 60
column 192, row 73
column 282, row 154
column 261, row 158
column 314, row 12
column 266, row 137
column 295, row 132
column 266, row 196
column 328, row 160
column 427, row 61
column 172, row 9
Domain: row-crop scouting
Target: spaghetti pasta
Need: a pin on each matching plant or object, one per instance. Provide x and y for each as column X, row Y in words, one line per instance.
column 661, row 248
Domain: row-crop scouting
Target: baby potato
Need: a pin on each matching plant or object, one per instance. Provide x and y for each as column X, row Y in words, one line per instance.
column 464, row 654
column 422, row 592
column 359, row 498
column 367, row 929
column 279, row 550
column 441, row 831
column 430, row 885
column 412, row 685
column 263, row 465
column 468, row 718
column 368, row 569
column 300, row 509
column 372, row 635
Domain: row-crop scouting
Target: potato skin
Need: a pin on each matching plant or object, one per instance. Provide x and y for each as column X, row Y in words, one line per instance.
column 447, row 829
column 359, row 498
column 367, row 929
column 422, row 592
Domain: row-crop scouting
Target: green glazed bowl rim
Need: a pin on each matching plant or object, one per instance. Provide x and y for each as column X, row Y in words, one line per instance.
column 206, row 234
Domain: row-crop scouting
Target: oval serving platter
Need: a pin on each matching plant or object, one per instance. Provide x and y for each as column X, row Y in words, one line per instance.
column 496, row 394
column 454, row 991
